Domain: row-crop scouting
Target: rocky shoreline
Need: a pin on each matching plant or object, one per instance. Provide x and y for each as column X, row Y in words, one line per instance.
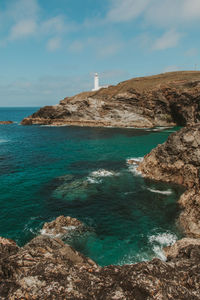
column 163, row 100
column 47, row 268
column 178, row 161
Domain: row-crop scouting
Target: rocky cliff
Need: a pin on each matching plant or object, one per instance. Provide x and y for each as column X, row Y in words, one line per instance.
column 178, row 161
column 46, row 268
column 163, row 100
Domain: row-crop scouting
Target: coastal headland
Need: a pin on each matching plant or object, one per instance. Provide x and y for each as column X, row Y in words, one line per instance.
column 167, row 99
column 47, row 268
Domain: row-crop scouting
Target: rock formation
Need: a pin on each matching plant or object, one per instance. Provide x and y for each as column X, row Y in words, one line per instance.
column 46, row 269
column 178, row 161
column 164, row 100
column 62, row 226
column 6, row 122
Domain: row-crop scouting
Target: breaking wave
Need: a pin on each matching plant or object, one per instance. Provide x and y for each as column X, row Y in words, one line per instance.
column 133, row 165
column 159, row 241
column 167, row 192
column 95, row 177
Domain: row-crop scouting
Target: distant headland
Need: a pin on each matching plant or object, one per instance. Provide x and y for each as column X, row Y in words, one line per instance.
column 162, row 100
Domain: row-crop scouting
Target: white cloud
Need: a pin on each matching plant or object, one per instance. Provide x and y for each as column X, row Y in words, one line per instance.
column 20, row 10
column 173, row 12
column 23, row 19
column 163, row 13
column 76, row 46
column 169, row 39
column 126, row 10
column 53, row 25
column 54, row 44
column 22, row 29
column 191, row 9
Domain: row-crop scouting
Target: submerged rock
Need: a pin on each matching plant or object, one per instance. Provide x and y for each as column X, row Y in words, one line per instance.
column 46, row 268
column 163, row 100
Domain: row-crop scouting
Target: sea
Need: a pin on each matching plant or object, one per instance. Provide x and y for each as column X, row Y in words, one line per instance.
column 82, row 172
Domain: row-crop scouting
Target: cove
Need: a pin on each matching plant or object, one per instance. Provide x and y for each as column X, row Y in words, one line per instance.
column 83, row 172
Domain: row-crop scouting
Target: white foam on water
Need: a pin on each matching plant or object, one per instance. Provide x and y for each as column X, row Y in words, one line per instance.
column 159, row 128
column 93, row 180
column 102, row 173
column 3, row 141
column 69, row 227
column 51, row 234
column 137, row 159
column 95, row 177
column 133, row 169
column 167, row 192
column 133, row 258
column 159, row 241
column 44, row 232
column 133, row 166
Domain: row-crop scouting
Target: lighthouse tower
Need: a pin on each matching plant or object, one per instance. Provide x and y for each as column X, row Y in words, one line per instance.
column 96, row 82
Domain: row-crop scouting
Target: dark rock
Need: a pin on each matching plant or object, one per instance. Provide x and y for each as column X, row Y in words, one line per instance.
column 164, row 100
column 46, row 268
column 6, row 122
column 178, row 161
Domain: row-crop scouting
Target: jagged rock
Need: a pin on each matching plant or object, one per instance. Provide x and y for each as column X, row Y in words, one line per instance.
column 7, row 247
column 178, row 161
column 6, row 122
column 173, row 251
column 62, row 226
column 163, row 100
column 46, row 268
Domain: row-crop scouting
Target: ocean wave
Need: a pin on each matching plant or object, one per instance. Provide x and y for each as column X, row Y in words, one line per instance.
column 133, row 165
column 3, row 141
column 131, row 160
column 133, row 258
column 167, row 192
column 95, row 177
column 159, row 241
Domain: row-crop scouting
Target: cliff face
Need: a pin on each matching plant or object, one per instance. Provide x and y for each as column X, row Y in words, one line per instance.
column 178, row 161
column 46, row 268
column 162, row 100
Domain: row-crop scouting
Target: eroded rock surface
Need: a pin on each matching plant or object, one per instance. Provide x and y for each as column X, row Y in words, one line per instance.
column 162, row 100
column 61, row 226
column 46, row 268
column 178, row 161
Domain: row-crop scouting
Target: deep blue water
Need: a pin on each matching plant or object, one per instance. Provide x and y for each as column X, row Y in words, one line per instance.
column 83, row 172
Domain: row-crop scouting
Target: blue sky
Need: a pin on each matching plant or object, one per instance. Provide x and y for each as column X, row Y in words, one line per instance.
column 49, row 49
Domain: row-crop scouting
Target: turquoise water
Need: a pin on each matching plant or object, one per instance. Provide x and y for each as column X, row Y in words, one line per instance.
column 83, row 172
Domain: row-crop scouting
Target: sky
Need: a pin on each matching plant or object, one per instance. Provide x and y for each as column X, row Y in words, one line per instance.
column 50, row 49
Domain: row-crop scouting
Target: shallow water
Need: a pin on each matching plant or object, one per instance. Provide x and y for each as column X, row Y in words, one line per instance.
column 83, row 172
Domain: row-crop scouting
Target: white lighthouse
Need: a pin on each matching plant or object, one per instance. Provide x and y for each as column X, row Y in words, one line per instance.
column 96, row 82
